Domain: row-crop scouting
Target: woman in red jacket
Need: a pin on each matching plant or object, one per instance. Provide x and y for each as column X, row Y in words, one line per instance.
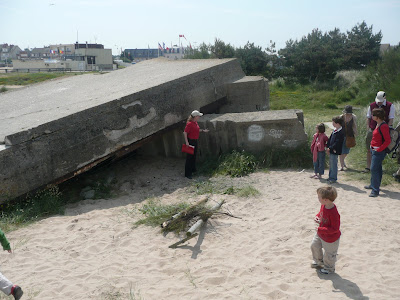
column 380, row 141
column 191, row 134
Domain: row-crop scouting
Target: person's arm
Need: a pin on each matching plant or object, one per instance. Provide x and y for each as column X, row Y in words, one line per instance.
column 369, row 116
column 391, row 115
column 186, row 138
column 4, row 242
column 386, row 136
column 355, row 130
column 333, row 142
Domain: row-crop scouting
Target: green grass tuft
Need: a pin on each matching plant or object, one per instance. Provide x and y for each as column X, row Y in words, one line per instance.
column 44, row 203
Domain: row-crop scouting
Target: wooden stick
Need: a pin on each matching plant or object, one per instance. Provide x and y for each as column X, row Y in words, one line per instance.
column 182, row 241
column 200, row 222
column 166, row 223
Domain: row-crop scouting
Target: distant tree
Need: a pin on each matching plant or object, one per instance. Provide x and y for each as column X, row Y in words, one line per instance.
column 202, row 52
column 311, row 58
column 252, row 59
column 383, row 75
column 221, row 50
column 362, row 46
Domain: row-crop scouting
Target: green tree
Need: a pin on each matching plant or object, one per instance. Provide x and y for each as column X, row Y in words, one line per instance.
column 311, row 58
column 222, row 50
column 382, row 75
column 252, row 59
column 362, row 46
column 202, row 52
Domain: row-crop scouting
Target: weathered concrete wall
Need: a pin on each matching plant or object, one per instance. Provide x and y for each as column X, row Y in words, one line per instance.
column 254, row 132
column 56, row 128
column 248, row 94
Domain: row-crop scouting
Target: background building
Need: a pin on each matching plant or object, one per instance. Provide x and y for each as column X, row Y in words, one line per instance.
column 74, row 57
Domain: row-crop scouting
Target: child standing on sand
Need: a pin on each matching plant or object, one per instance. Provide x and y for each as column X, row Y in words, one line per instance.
column 334, row 145
column 5, row 285
column 328, row 234
column 318, row 150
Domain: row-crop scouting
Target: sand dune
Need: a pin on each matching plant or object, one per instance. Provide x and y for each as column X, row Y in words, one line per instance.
column 94, row 252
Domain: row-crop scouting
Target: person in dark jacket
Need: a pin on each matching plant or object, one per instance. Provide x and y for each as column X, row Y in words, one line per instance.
column 334, row 148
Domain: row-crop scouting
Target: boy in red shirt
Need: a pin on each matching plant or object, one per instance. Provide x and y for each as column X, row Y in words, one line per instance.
column 328, row 234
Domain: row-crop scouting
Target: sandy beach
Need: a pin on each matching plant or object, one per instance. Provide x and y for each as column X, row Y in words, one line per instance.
column 94, row 251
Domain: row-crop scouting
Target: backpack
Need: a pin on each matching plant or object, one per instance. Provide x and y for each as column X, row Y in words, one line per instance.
column 394, row 139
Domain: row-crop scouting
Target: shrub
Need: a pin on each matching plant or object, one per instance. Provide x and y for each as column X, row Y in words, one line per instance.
column 237, row 164
column 331, row 106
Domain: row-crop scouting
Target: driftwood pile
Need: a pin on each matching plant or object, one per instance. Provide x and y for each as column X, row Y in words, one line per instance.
column 196, row 214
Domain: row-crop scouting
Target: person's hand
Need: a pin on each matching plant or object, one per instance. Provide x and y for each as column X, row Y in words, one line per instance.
column 317, row 220
column 187, row 144
column 206, row 130
column 9, row 251
column 327, row 151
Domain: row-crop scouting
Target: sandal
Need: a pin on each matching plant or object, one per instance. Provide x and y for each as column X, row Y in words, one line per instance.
column 314, row 176
column 366, row 170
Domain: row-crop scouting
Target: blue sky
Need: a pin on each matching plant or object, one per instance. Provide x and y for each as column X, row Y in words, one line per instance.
column 137, row 24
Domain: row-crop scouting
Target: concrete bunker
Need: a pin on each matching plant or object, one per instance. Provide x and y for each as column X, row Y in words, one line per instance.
column 55, row 130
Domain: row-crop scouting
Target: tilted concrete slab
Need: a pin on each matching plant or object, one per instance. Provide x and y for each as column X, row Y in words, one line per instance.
column 51, row 130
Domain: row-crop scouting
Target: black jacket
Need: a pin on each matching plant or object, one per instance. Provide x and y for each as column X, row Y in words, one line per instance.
column 335, row 142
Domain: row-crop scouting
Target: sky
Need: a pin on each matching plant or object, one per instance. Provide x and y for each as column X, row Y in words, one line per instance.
column 130, row 24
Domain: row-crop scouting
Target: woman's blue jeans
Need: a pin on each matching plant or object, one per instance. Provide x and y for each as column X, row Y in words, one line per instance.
column 376, row 170
column 319, row 165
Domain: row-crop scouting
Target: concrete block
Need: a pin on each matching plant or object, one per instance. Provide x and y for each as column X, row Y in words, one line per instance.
column 254, row 132
column 250, row 93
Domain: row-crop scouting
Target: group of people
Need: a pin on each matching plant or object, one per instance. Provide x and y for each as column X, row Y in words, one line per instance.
column 380, row 116
column 337, row 146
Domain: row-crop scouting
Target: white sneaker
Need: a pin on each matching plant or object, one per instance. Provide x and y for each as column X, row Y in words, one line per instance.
column 325, row 271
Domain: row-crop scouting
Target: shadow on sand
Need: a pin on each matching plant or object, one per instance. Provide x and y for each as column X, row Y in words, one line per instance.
column 341, row 285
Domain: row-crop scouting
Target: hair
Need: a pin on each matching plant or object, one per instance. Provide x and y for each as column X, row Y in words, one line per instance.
column 379, row 113
column 338, row 120
column 190, row 118
column 321, row 127
column 327, row 192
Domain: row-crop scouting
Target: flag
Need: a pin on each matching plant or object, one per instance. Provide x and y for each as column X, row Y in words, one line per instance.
column 163, row 45
column 182, row 35
column 190, row 45
column 159, row 46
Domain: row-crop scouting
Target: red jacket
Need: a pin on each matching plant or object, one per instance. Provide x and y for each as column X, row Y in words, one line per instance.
column 329, row 225
column 377, row 141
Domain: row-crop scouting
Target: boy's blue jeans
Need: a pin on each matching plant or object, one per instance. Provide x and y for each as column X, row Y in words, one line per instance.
column 376, row 170
column 319, row 165
column 333, row 159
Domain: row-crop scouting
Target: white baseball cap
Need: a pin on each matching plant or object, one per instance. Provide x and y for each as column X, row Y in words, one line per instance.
column 380, row 96
column 196, row 113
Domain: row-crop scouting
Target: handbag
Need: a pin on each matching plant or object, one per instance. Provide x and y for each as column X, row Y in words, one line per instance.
column 350, row 141
column 188, row 149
